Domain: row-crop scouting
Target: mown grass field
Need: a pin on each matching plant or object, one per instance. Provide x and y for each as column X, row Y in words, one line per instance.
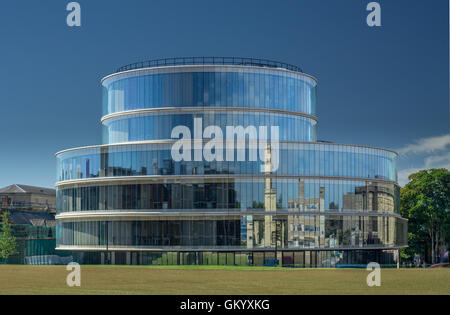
column 219, row 280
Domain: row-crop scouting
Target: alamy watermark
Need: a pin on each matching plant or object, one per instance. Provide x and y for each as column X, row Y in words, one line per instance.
column 74, row 277
column 374, row 17
column 233, row 147
column 374, row 277
column 74, row 17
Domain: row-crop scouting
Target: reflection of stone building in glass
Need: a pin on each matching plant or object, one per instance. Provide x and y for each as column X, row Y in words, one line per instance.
column 128, row 202
column 371, row 197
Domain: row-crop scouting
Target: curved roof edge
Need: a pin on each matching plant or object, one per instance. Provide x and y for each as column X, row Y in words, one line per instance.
column 99, row 146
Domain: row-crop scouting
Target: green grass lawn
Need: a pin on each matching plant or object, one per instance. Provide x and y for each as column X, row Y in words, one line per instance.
column 198, row 280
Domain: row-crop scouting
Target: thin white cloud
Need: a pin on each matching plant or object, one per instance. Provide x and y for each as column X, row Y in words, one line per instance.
column 434, row 153
column 404, row 174
column 438, row 161
column 427, row 145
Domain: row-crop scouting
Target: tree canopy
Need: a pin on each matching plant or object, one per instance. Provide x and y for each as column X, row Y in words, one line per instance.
column 425, row 201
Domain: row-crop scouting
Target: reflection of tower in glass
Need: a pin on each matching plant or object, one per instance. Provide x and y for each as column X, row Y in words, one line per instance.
column 270, row 201
column 306, row 231
column 307, row 204
column 267, row 232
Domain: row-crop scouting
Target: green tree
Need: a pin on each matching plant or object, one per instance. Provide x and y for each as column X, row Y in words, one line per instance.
column 8, row 244
column 425, row 201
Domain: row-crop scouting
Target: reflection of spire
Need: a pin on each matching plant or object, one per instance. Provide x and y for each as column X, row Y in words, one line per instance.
column 270, row 195
column 270, row 200
column 321, row 198
column 268, row 160
column 301, row 189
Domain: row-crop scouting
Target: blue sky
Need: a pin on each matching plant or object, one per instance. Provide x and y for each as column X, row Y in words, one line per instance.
column 385, row 86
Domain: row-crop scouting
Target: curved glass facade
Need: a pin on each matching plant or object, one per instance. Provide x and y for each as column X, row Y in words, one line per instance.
column 130, row 201
column 237, row 233
column 232, row 195
column 140, row 127
column 209, row 86
column 296, row 159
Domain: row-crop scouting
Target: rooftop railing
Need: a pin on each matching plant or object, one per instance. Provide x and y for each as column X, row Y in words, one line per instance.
column 235, row 61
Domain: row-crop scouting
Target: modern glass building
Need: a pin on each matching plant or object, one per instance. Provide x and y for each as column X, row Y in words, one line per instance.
column 128, row 201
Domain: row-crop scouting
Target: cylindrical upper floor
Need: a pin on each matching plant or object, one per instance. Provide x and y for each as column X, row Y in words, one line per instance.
column 144, row 104
column 210, row 85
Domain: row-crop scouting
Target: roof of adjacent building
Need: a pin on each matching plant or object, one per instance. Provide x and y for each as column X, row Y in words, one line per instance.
column 31, row 217
column 25, row 189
